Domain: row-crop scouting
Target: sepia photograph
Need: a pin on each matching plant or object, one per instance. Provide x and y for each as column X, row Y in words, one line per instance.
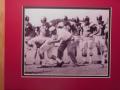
column 66, row 42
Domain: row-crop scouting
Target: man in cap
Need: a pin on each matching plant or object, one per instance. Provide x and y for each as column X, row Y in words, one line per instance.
column 67, row 24
column 65, row 37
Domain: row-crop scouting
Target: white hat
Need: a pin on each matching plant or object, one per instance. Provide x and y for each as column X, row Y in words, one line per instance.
column 52, row 28
column 61, row 24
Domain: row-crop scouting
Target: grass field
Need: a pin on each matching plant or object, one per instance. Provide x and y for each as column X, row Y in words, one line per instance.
column 68, row 68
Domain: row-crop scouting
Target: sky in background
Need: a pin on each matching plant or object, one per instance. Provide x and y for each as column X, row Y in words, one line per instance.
column 36, row 14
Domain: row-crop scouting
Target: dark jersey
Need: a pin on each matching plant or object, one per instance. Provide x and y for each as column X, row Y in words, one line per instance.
column 103, row 29
column 79, row 28
column 47, row 26
column 101, row 26
column 92, row 29
column 73, row 28
column 29, row 30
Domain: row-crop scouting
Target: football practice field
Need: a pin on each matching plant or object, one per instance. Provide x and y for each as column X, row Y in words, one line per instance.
column 68, row 69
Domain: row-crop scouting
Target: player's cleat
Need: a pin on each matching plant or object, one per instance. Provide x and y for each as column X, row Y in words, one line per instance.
column 60, row 64
column 40, row 62
column 86, row 62
column 106, row 61
column 76, row 65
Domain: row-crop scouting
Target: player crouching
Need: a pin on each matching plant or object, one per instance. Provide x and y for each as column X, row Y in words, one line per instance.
column 46, row 49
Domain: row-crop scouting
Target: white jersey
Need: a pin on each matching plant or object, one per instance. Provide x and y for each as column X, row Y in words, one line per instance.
column 43, row 30
column 86, row 29
column 47, row 45
column 40, row 39
column 63, row 34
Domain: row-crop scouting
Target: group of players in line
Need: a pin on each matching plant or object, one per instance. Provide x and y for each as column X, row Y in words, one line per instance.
column 67, row 34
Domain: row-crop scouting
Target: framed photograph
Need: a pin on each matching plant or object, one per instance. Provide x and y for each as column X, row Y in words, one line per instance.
column 61, row 45
column 66, row 42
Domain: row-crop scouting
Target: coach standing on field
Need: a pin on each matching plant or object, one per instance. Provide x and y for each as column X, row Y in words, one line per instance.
column 65, row 37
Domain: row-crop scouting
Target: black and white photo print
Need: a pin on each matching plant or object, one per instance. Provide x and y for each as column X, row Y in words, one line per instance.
column 66, row 42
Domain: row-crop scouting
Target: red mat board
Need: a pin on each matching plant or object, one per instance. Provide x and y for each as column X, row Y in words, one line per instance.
column 13, row 49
